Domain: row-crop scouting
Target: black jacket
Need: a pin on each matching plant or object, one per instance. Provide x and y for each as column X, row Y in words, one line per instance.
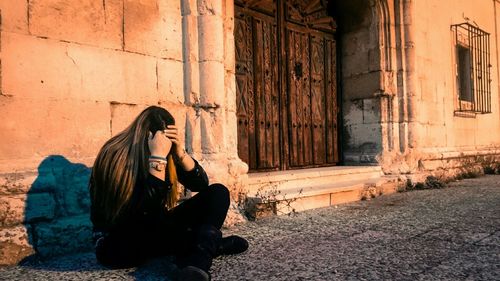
column 148, row 199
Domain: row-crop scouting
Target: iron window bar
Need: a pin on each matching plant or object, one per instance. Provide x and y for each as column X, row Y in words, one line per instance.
column 472, row 46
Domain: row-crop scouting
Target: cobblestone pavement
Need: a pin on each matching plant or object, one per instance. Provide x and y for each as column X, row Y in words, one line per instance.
column 441, row 234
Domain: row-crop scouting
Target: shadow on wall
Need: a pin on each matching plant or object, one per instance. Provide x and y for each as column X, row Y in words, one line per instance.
column 57, row 209
column 57, row 217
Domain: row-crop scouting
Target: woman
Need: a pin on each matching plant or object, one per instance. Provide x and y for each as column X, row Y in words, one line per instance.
column 133, row 190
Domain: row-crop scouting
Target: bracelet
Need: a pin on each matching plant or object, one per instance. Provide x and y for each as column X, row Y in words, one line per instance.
column 163, row 162
column 158, row 157
column 157, row 161
column 157, row 165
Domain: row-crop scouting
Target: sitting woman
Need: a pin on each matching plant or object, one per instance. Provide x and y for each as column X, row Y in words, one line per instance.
column 133, row 190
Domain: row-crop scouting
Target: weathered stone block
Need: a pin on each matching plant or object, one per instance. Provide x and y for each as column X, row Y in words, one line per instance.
column 210, row 7
column 154, row 28
column 18, row 183
column 189, row 7
column 170, row 81
column 193, row 131
column 107, row 75
column 436, row 136
column 34, row 67
column 232, row 137
column 355, row 64
column 190, row 34
column 374, row 59
column 213, row 164
column 353, row 112
column 234, row 216
column 192, row 82
column 358, row 41
column 363, row 134
column 16, row 209
column 69, row 128
column 303, row 203
column 64, row 236
column 228, row 9
column 14, row 245
column 59, row 70
column 345, row 197
column 91, row 22
column 371, row 111
column 211, row 38
column 11, row 210
column 229, row 52
column 122, row 115
column 230, row 84
column 212, row 83
column 362, row 86
column 14, row 16
column 212, row 136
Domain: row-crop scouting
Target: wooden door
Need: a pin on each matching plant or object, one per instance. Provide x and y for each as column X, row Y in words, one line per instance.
column 286, row 84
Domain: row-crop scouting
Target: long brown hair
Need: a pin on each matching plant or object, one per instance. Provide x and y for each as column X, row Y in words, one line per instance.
column 123, row 160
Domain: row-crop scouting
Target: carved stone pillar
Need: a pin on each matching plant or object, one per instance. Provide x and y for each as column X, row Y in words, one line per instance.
column 210, row 91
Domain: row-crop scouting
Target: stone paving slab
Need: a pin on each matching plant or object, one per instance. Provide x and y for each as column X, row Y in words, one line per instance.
column 441, row 234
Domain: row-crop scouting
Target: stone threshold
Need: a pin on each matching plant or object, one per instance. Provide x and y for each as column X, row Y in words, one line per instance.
column 283, row 192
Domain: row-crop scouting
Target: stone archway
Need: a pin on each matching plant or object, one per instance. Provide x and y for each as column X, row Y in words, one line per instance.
column 376, row 79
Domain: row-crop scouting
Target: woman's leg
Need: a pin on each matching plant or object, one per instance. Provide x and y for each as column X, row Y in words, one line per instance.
column 208, row 207
column 123, row 249
column 196, row 223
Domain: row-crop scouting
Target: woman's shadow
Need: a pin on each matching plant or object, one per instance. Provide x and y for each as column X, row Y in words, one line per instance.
column 57, row 219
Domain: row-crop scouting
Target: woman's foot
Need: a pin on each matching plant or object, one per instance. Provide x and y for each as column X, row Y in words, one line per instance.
column 232, row 245
column 193, row 273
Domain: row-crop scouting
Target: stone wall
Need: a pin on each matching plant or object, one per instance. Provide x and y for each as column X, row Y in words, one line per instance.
column 361, row 77
column 73, row 73
column 399, row 91
column 444, row 133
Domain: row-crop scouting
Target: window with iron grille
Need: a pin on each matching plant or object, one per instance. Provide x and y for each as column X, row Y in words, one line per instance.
column 473, row 69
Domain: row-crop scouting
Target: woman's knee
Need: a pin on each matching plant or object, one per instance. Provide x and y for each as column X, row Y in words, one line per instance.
column 220, row 192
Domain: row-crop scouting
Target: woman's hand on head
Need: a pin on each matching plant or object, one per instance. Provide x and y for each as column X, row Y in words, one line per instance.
column 173, row 134
column 187, row 163
column 159, row 144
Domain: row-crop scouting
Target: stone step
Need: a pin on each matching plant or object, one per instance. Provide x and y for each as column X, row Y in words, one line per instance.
column 306, row 178
column 266, row 195
column 276, row 193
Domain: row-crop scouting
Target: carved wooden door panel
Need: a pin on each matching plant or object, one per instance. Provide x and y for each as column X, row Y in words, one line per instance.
column 286, row 84
column 257, row 86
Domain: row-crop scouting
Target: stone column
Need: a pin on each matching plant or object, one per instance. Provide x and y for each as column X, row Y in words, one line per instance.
column 191, row 70
column 211, row 92
column 237, row 169
column 410, row 72
column 211, row 105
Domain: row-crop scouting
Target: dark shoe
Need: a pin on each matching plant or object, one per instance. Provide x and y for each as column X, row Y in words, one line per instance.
column 203, row 251
column 232, row 245
column 193, row 273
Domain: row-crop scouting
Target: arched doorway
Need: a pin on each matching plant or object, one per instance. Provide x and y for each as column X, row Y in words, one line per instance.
column 286, row 84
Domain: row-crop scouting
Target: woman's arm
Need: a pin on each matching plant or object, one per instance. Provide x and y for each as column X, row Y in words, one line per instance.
column 149, row 192
column 189, row 171
column 185, row 161
column 195, row 179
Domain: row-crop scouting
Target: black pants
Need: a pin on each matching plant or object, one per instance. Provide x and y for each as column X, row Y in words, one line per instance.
column 173, row 233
